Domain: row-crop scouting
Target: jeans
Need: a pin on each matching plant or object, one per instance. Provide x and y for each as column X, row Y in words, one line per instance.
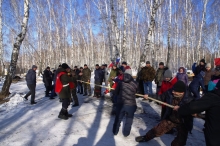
column 121, row 111
column 148, row 87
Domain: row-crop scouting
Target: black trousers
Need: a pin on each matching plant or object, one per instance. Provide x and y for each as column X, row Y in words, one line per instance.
column 31, row 87
column 97, row 90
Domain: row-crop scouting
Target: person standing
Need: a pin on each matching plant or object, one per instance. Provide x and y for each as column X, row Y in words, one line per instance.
column 79, row 83
column 73, row 90
column 126, row 104
column 167, row 84
column 77, row 71
column 31, row 84
column 200, row 67
column 178, row 96
column 182, row 76
column 86, row 76
column 159, row 76
column 208, row 75
column 148, row 75
column 63, row 88
column 47, row 79
column 99, row 75
column 139, row 80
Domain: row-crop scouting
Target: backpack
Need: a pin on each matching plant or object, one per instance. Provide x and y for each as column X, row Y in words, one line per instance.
column 59, row 85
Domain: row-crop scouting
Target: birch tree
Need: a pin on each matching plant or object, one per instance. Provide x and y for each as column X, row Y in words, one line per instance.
column 15, row 52
column 148, row 41
column 1, row 39
column 124, row 49
column 201, row 27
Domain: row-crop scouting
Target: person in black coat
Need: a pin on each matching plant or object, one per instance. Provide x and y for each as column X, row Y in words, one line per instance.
column 47, row 79
column 126, row 104
column 196, row 83
column 180, row 96
column 99, row 76
column 210, row 103
column 79, row 84
column 200, row 67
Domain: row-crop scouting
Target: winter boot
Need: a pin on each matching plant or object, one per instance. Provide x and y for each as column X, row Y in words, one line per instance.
column 141, row 139
column 25, row 98
column 74, row 105
column 68, row 115
column 33, row 102
column 63, row 115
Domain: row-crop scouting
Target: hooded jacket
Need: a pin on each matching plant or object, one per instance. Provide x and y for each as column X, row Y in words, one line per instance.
column 182, row 76
column 126, row 90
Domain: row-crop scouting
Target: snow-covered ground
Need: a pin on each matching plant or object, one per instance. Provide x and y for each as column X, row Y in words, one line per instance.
column 22, row 124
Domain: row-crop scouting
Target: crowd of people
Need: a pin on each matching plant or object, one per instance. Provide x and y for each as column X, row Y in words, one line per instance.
column 178, row 91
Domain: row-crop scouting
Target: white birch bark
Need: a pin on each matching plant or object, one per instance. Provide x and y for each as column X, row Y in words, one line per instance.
column 124, row 49
column 15, row 52
column 201, row 27
column 1, row 39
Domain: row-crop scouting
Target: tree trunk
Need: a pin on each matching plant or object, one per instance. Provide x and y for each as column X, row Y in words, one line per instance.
column 15, row 52
column 124, row 49
column 1, row 40
column 201, row 26
column 169, row 34
column 150, row 31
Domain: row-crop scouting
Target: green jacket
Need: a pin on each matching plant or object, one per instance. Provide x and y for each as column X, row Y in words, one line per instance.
column 86, row 74
column 65, row 79
column 147, row 74
column 113, row 73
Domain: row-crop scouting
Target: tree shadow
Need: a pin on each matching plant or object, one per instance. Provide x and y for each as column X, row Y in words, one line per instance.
column 93, row 131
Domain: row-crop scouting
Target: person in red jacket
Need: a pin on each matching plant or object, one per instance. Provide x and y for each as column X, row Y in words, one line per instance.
column 167, row 84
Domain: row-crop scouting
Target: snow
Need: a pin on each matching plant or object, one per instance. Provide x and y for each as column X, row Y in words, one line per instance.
column 22, row 124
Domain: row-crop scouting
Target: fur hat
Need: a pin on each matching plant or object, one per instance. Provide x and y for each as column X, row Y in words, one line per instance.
column 179, row 86
column 168, row 74
column 65, row 66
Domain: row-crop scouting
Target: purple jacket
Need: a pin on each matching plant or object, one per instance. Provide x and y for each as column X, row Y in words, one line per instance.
column 182, row 76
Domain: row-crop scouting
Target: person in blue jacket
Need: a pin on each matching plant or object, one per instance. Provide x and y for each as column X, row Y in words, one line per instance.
column 196, row 83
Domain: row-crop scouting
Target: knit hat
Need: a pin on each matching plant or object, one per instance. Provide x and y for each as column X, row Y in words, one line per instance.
column 65, row 66
column 143, row 64
column 125, row 63
column 208, row 65
column 168, row 74
column 34, row 66
column 97, row 65
column 48, row 67
column 85, row 64
column 81, row 68
column 148, row 62
column 179, row 86
column 161, row 63
column 202, row 60
column 128, row 71
column 75, row 66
